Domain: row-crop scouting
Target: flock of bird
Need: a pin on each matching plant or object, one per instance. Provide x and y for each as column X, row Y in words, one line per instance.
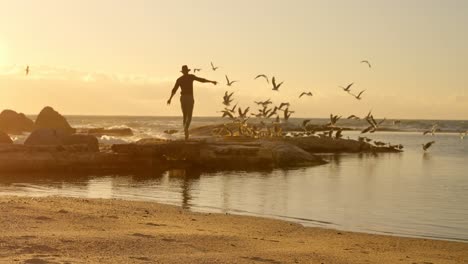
column 270, row 116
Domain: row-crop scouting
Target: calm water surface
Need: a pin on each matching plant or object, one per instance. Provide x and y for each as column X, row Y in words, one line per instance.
column 411, row 194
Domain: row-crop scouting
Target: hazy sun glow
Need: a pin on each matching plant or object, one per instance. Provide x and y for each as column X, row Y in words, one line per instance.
column 122, row 57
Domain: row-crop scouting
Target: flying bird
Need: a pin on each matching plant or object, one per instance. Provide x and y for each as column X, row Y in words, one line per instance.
column 27, row 70
column 213, row 67
column 196, row 70
column 304, row 93
column 432, row 131
column 282, row 105
column 427, row 145
column 275, row 86
column 262, row 76
column 359, row 95
column 287, row 114
column 227, row 98
column 243, row 114
column 333, row 120
column 353, row 117
column 347, row 88
column 228, row 82
column 264, row 103
column 232, row 110
column 367, row 62
column 339, row 133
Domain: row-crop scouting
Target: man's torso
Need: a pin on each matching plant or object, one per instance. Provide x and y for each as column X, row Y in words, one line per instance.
column 186, row 84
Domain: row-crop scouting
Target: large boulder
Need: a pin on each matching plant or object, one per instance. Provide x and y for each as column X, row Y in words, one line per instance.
column 48, row 137
column 12, row 122
column 45, row 136
column 4, row 138
column 49, row 118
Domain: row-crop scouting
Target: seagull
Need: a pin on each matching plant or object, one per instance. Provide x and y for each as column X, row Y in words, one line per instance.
column 265, row 103
column 213, row 67
column 27, row 70
column 232, row 110
column 347, row 88
column 304, row 93
column 170, row 131
column 339, row 133
column 273, row 112
column 227, row 98
column 359, row 95
column 304, row 124
column 432, row 131
column 229, row 83
column 227, row 113
column 196, row 70
column 263, row 76
column 333, row 120
column 353, row 117
column 275, row 86
column 367, row 62
column 463, row 134
column 427, row 145
column 243, row 114
column 282, row 105
column 370, row 129
column 287, row 114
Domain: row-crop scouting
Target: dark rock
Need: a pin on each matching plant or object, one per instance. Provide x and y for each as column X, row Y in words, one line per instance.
column 49, row 118
column 52, row 137
column 5, row 139
column 12, row 122
column 286, row 154
column 45, row 136
column 87, row 140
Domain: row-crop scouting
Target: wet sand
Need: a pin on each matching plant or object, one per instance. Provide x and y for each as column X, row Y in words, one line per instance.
column 70, row 230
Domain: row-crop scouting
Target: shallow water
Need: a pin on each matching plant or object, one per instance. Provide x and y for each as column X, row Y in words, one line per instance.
column 410, row 194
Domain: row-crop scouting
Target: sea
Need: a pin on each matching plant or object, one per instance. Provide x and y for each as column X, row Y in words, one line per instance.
column 415, row 193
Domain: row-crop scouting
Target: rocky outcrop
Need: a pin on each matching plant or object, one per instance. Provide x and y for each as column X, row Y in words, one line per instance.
column 333, row 145
column 12, row 122
column 53, row 137
column 5, row 139
column 49, row 118
column 87, row 140
column 223, row 154
column 98, row 132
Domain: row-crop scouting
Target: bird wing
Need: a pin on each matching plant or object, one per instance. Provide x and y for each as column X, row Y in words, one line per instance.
column 360, row 93
column 273, row 81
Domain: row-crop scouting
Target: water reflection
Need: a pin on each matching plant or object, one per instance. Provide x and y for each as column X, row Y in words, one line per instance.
column 187, row 178
column 413, row 193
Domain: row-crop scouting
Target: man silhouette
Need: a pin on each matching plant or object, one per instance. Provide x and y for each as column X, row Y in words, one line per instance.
column 185, row 82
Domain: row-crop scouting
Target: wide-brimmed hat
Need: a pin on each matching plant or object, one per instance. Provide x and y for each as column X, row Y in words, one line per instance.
column 185, row 69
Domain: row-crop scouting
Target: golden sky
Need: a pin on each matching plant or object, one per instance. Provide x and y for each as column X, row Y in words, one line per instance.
column 122, row 57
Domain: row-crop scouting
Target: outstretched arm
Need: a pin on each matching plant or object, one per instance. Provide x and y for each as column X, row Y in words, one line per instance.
column 173, row 92
column 204, row 80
